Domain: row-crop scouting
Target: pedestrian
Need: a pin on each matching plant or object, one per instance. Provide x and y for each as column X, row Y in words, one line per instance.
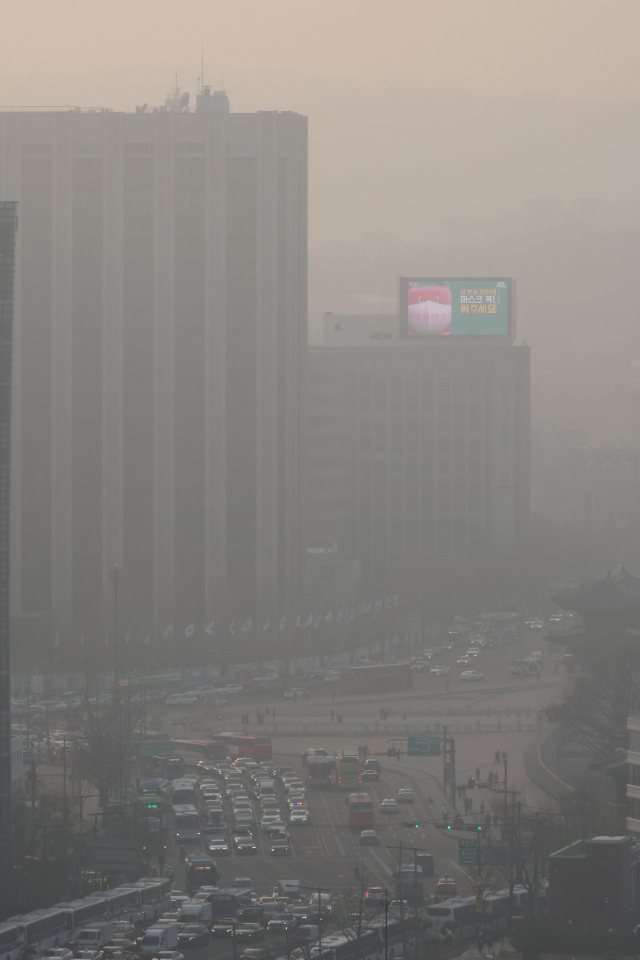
column 183, row 853
column 488, row 939
column 482, row 806
column 339, row 718
column 333, row 696
column 497, row 757
column 356, row 872
column 480, row 941
column 477, row 774
column 404, row 715
column 487, row 821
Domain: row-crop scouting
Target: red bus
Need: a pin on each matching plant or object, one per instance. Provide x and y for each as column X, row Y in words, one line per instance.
column 194, row 750
column 360, row 807
column 241, row 745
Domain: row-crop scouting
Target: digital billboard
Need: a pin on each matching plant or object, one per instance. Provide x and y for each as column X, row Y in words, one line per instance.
column 457, row 307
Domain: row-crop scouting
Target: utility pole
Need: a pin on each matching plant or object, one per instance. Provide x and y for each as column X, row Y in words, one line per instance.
column 116, row 577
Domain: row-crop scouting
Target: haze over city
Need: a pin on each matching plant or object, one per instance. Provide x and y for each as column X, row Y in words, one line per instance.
column 319, row 479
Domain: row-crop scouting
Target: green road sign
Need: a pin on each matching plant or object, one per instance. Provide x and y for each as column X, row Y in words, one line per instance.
column 468, row 857
column 471, row 842
column 423, row 747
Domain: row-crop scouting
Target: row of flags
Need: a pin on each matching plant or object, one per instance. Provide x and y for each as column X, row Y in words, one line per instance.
column 312, row 621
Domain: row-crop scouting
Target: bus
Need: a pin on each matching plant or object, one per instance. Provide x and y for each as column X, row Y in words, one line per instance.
column 12, row 941
column 187, row 822
column 319, row 771
column 81, row 912
column 240, row 745
column 371, row 943
column 124, row 903
column 192, row 751
column 44, row 928
column 348, row 772
column 360, row 806
column 201, row 871
column 408, row 881
column 184, row 792
column 228, row 903
column 161, row 884
column 460, row 916
column 157, row 785
column 171, row 767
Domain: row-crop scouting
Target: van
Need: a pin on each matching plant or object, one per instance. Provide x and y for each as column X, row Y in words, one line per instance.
column 196, row 911
column 288, row 888
column 95, row 936
column 160, row 938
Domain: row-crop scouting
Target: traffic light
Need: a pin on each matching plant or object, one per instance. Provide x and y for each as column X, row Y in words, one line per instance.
column 152, row 806
column 448, row 826
column 410, row 824
column 480, row 829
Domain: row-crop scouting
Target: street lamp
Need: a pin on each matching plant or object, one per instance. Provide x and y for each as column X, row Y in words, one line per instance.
column 115, row 576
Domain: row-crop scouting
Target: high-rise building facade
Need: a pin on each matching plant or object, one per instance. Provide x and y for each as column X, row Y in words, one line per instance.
column 161, row 327
column 417, row 450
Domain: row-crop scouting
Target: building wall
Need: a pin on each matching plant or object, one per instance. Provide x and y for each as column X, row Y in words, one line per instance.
column 417, row 450
column 161, row 328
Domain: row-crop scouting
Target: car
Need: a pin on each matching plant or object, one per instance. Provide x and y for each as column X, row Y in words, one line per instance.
column 464, row 661
column 280, row 848
column 223, row 927
column 257, row 953
column 122, row 928
column 294, row 786
column 250, row 931
column 232, row 688
column 170, row 955
column 369, row 838
column 370, row 776
column 537, row 625
column 471, row 675
column 440, row 670
column 280, row 924
column 299, row 816
column 193, row 935
column 87, row 955
column 268, row 819
column 117, row 945
column 399, row 908
column 245, row 845
column 296, row 693
column 180, row 700
column 331, row 676
column 375, row 895
column 405, row 795
column 474, row 652
column 388, row 806
column 218, row 845
column 60, row 953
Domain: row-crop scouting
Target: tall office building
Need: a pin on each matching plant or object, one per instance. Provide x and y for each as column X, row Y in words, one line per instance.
column 416, row 450
column 8, row 227
column 161, row 294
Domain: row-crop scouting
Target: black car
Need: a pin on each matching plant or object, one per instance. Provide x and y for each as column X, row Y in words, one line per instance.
column 223, row 927
column 193, row 935
column 250, row 931
column 256, row 953
column 245, row 845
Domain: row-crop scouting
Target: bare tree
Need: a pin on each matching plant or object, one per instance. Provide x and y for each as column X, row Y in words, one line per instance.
column 354, row 913
column 104, row 751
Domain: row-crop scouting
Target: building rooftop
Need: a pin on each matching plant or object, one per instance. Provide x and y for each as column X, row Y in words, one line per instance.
column 618, row 592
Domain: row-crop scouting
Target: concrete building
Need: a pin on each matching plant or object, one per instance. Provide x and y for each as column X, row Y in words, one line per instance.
column 161, row 327
column 595, row 881
column 416, row 450
column 358, row 329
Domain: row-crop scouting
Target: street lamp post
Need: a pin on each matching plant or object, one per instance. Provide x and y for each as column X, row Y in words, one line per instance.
column 116, row 577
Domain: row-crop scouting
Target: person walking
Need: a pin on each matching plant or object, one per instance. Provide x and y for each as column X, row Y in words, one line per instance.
column 356, row 872
column 480, row 941
column 477, row 774
column 482, row 806
column 183, row 853
column 445, row 813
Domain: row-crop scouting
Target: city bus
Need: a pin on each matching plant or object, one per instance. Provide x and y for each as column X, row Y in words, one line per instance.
column 360, row 807
column 319, row 771
column 348, row 772
column 44, row 928
column 192, row 751
column 228, row 903
column 12, row 941
column 124, row 904
column 241, row 745
column 184, row 792
column 169, row 768
column 201, row 872
column 409, row 884
column 81, row 912
column 187, row 822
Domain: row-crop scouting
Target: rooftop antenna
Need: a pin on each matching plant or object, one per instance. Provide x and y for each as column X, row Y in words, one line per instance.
column 202, row 64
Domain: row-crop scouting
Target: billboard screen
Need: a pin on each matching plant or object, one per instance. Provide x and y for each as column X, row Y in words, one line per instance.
column 457, row 307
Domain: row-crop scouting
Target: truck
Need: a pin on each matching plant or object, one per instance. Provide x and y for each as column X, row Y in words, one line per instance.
column 287, row 888
column 160, row 938
column 196, row 911
column 96, row 936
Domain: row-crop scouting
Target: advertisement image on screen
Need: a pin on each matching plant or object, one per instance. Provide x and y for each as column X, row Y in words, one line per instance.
column 472, row 307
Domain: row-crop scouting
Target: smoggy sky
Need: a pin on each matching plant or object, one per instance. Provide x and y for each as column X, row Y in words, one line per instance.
column 572, row 48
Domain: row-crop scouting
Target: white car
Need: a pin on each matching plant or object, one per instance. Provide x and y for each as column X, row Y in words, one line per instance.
column 297, row 693
column 471, row 675
column 218, row 845
column 181, row 700
column 440, row 670
column 268, row 819
column 231, row 689
column 473, row 652
column 388, row 806
column 537, row 624
column 405, row 795
column 299, row 815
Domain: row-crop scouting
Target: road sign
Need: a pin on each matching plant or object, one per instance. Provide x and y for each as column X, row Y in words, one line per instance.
column 479, row 904
column 464, row 842
column 478, row 881
column 423, row 746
